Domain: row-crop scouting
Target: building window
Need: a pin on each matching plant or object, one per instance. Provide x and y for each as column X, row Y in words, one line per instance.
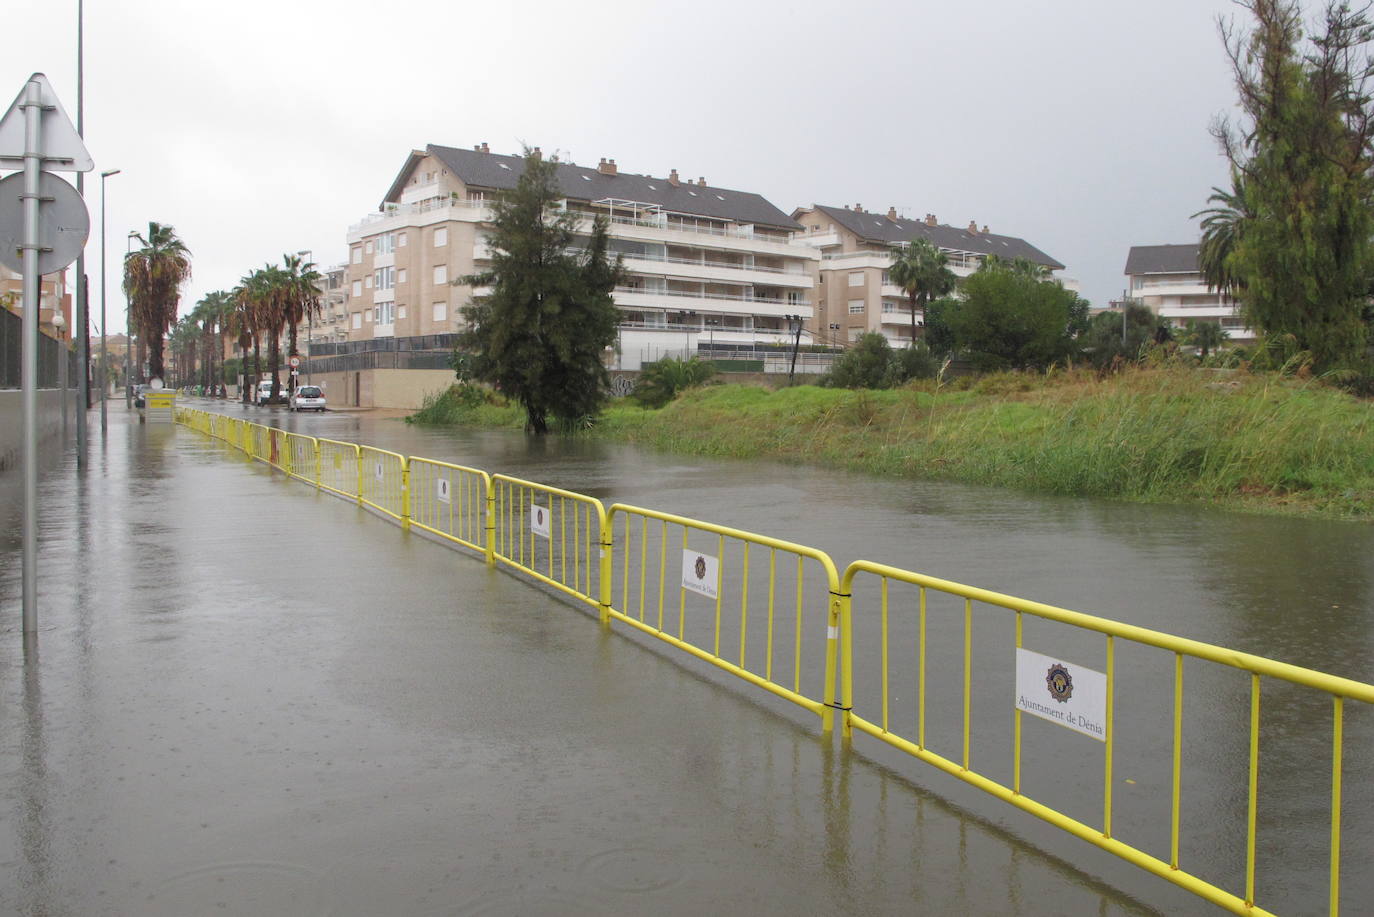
column 887, row 278
column 440, row 274
column 386, row 313
column 357, row 320
column 357, row 288
column 386, row 278
column 855, row 334
column 367, row 316
column 856, row 279
column 400, row 311
column 441, row 311
column 401, row 275
column 357, row 254
column 441, row 237
column 386, row 243
column 367, row 281
column 856, row 307
column 367, row 246
column 401, row 240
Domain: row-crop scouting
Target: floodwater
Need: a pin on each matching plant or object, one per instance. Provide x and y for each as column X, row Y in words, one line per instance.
column 247, row 697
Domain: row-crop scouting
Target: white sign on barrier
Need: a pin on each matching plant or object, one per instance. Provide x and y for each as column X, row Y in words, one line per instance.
column 443, row 491
column 539, row 521
column 700, row 573
column 1062, row 693
column 380, row 472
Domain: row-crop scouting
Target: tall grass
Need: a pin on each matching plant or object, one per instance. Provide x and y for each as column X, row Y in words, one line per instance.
column 1166, row 434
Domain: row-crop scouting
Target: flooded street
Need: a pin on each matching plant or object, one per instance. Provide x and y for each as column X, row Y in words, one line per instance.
column 248, row 697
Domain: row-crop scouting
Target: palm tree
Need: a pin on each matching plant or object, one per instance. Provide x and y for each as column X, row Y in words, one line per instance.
column 153, row 276
column 301, row 298
column 213, row 312
column 922, row 270
column 1222, row 226
column 242, row 325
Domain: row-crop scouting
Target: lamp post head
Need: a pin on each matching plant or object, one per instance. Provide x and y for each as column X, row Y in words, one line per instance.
column 110, row 172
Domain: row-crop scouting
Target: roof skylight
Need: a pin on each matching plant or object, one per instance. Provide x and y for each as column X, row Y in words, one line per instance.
column 504, row 166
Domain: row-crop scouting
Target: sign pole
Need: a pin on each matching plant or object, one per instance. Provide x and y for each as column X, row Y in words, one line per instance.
column 33, row 162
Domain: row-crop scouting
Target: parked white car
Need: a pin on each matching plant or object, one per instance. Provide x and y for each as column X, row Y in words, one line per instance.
column 307, row 398
column 264, row 391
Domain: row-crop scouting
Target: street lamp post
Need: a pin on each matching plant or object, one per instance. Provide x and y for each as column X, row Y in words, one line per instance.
column 104, row 281
column 712, row 323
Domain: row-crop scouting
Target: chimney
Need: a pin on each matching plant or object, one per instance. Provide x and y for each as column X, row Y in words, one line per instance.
column 606, row 167
column 892, row 214
column 701, row 181
column 673, row 179
column 973, row 227
column 536, row 153
column 930, row 219
column 985, row 229
column 484, row 148
column 858, row 208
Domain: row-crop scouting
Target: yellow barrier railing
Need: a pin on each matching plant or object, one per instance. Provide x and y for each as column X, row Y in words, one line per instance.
column 453, row 502
column 340, row 468
column 672, row 560
column 556, row 536
column 1104, row 729
column 384, row 484
column 571, row 542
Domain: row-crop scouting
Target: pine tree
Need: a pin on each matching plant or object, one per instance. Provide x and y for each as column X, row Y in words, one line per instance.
column 541, row 335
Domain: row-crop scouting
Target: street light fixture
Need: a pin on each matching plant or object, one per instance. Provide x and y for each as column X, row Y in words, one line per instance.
column 104, row 282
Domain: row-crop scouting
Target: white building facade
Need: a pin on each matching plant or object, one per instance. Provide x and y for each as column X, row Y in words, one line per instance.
column 1167, row 280
column 703, row 264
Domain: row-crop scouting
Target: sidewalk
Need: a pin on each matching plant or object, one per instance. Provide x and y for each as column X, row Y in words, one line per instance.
column 250, row 698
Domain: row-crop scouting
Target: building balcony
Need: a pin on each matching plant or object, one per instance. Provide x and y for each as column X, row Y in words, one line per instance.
column 682, row 301
column 723, row 271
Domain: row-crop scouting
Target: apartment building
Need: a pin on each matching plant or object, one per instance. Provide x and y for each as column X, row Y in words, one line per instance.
column 855, row 294
column 1166, row 278
column 703, row 263
column 54, row 298
column 331, row 325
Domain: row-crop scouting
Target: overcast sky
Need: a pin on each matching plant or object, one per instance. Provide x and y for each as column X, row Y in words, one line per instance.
column 259, row 128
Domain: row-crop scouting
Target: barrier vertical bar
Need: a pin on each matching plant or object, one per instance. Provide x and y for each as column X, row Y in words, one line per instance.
column 1337, row 728
column 358, row 465
column 1178, row 759
column 405, row 493
column 883, row 627
column 921, row 688
column 1107, row 775
column 720, row 553
column 1016, row 726
column 744, row 606
column 1253, row 800
column 968, row 674
column 606, row 539
column 489, row 506
column 318, row 472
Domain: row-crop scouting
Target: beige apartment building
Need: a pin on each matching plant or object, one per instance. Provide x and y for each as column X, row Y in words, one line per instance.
column 855, row 294
column 1167, row 279
column 704, row 264
column 54, row 298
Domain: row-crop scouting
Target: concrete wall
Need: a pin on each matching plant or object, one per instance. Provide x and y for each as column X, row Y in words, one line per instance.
column 49, row 421
column 383, row 388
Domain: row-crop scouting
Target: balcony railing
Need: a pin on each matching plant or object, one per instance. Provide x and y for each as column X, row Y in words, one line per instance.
column 727, row 297
column 729, row 265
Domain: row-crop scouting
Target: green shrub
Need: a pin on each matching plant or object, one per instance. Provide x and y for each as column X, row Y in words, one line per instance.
column 663, row 380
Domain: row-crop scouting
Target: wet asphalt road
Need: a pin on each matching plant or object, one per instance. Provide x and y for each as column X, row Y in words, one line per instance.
column 250, row 698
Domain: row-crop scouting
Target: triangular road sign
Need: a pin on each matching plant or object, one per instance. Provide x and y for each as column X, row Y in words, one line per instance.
column 62, row 147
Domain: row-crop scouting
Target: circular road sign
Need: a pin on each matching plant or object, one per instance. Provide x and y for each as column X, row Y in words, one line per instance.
column 63, row 223
column 295, row 361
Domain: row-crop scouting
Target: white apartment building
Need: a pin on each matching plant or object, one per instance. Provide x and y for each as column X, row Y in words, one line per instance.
column 703, row 263
column 855, row 294
column 1166, row 278
column 331, row 325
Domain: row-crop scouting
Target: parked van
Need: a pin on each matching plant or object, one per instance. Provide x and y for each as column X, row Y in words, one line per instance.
column 264, row 391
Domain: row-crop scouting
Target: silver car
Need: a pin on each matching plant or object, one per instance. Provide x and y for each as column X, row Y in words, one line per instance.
column 307, row 398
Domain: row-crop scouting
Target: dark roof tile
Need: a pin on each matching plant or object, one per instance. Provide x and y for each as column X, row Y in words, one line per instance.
column 1162, row 259
column 875, row 227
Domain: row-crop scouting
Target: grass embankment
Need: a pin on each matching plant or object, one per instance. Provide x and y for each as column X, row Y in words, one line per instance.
column 1262, row 443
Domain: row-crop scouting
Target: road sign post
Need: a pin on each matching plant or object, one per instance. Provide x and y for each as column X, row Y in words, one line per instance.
column 36, row 143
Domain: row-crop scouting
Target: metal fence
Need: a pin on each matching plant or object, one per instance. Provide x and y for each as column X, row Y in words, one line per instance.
column 891, row 651
column 50, row 354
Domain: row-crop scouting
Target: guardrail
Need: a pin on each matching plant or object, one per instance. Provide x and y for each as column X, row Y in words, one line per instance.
column 827, row 646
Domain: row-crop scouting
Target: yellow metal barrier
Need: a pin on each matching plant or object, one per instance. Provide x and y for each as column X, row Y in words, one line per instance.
column 569, row 541
column 453, row 502
column 666, row 557
column 556, row 536
column 301, row 457
column 340, row 467
column 383, row 482
column 1103, row 836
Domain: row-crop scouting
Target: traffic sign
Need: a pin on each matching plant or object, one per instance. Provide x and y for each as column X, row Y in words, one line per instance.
column 295, row 361
column 62, row 147
column 63, row 223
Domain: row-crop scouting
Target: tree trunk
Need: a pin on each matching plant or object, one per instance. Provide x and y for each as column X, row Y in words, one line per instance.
column 274, row 360
column 913, row 319
column 291, row 351
column 250, row 386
